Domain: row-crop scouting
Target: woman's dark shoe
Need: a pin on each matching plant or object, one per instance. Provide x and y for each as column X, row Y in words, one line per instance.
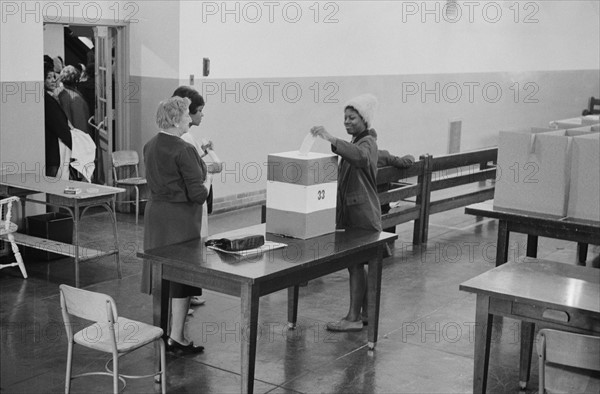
column 365, row 319
column 173, row 345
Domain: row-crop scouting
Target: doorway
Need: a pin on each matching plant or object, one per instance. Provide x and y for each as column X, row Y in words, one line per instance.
column 101, row 51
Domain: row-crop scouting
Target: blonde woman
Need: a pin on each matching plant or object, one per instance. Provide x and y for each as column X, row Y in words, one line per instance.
column 176, row 177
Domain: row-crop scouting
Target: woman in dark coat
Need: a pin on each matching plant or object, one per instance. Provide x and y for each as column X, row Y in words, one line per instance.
column 176, row 176
column 71, row 101
column 357, row 200
column 56, row 124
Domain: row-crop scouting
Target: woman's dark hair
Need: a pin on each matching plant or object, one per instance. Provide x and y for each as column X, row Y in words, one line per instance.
column 48, row 65
column 196, row 98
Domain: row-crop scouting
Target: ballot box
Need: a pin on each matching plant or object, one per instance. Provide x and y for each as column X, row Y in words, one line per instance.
column 534, row 170
column 584, row 194
column 301, row 194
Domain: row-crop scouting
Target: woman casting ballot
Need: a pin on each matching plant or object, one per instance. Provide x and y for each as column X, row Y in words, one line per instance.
column 357, row 202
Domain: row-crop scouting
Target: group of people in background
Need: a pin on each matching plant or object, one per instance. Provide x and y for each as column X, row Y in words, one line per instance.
column 74, row 90
column 65, row 108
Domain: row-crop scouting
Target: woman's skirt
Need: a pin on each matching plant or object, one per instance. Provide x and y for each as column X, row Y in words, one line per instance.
column 167, row 223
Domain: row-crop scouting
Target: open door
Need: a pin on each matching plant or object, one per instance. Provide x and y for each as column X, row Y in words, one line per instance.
column 104, row 102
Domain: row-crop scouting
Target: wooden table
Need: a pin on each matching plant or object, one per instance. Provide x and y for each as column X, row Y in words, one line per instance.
column 27, row 184
column 255, row 276
column 555, row 295
column 534, row 225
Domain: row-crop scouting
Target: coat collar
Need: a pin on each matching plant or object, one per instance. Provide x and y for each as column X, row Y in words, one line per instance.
column 360, row 136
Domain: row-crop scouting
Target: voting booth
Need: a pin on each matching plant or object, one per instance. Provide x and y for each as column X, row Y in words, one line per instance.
column 584, row 189
column 301, row 194
column 538, row 169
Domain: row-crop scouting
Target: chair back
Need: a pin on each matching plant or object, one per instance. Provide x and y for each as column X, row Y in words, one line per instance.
column 125, row 158
column 87, row 305
column 566, row 349
column 6, row 213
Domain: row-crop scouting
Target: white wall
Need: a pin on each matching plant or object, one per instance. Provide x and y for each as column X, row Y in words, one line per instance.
column 387, row 37
column 54, row 40
column 532, row 63
column 21, row 102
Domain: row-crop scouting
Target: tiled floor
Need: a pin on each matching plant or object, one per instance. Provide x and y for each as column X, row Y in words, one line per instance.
column 425, row 341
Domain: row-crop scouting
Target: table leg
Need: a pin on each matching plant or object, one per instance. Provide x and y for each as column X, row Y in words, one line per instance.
column 160, row 298
column 527, row 333
column 527, row 329
column 250, row 301
column 292, row 306
column 76, row 241
column 532, row 245
column 113, row 216
column 24, row 215
column 483, row 335
column 582, row 251
column 374, row 295
column 160, row 312
column 502, row 244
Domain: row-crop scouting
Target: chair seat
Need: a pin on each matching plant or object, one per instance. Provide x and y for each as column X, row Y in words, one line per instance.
column 132, row 181
column 12, row 228
column 129, row 334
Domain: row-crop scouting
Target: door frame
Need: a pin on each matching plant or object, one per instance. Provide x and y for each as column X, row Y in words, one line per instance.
column 122, row 113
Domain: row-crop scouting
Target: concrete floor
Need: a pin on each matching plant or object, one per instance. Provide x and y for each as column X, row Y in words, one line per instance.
column 425, row 342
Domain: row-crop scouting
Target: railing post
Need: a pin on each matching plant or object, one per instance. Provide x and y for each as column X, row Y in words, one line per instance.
column 424, row 179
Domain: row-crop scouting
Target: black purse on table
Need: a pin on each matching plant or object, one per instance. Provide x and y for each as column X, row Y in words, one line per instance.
column 237, row 244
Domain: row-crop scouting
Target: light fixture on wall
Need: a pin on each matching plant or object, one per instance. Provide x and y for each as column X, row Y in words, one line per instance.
column 205, row 66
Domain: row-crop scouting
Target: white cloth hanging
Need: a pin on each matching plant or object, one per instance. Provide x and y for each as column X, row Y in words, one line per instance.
column 83, row 153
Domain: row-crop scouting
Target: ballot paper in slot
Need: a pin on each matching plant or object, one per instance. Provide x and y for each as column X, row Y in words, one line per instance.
column 307, row 144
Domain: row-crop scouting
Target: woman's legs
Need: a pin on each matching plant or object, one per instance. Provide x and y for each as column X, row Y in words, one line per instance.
column 358, row 292
column 179, row 309
column 358, row 289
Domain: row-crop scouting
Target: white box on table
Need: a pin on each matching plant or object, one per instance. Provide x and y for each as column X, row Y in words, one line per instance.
column 584, row 190
column 301, row 194
column 533, row 171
